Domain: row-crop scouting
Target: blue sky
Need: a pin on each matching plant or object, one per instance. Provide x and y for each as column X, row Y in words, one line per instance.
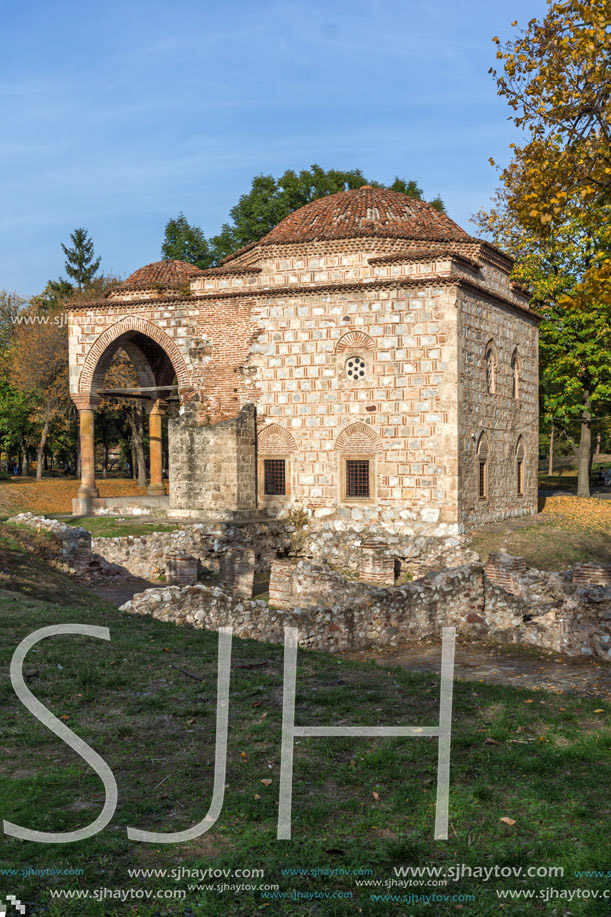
column 118, row 115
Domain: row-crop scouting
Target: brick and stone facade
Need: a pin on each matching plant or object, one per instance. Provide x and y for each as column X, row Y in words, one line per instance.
column 367, row 361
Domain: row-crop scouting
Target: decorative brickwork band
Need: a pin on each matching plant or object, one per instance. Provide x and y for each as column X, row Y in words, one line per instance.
column 354, row 340
column 358, row 438
column 275, row 440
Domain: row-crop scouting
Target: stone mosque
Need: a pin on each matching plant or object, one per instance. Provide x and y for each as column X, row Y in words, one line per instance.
column 365, row 361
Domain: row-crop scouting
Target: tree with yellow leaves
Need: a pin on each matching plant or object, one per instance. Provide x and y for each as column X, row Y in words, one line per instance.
column 556, row 78
column 554, row 210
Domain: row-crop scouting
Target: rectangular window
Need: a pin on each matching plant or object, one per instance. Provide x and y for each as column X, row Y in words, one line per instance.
column 274, row 477
column 520, row 477
column 483, row 480
column 357, row 478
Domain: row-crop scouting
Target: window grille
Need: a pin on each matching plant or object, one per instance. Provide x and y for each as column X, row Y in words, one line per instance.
column 274, row 473
column 355, row 368
column 357, row 478
column 520, row 477
column 483, row 480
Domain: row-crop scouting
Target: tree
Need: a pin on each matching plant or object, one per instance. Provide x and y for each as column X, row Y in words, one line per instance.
column 270, row 200
column 569, row 275
column 557, row 80
column 81, row 263
column 39, row 370
column 183, row 242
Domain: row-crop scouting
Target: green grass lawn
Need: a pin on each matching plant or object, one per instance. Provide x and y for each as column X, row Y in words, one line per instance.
column 115, row 526
column 539, row 758
column 549, row 543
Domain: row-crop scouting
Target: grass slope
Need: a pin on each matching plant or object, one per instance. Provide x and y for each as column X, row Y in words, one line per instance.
column 539, row 758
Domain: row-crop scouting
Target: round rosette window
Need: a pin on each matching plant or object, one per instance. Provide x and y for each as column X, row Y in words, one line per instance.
column 355, row 368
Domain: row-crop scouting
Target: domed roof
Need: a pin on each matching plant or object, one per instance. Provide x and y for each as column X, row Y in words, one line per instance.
column 366, row 212
column 161, row 274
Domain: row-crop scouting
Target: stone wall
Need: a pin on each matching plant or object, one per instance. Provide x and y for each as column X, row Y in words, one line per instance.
column 145, row 555
column 551, row 613
column 213, row 466
column 501, row 417
column 375, row 617
column 330, row 542
column 72, row 542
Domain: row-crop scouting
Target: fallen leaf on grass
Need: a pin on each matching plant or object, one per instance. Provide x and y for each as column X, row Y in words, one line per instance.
column 529, row 701
column 489, row 741
column 376, row 796
column 257, row 796
column 508, row 821
column 600, row 710
column 243, row 754
column 266, row 782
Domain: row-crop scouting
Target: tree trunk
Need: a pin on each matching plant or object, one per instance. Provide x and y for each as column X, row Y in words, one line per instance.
column 134, row 461
column 136, row 425
column 598, row 439
column 550, row 470
column 25, row 460
column 40, row 451
column 584, row 461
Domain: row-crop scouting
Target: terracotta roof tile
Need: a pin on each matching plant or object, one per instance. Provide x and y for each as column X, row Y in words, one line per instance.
column 366, row 212
column 160, row 274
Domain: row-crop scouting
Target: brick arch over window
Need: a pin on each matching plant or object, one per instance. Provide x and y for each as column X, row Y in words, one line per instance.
column 354, row 340
column 275, row 440
column 95, row 366
column 358, row 438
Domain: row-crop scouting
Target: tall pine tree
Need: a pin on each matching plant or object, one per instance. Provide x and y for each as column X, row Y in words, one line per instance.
column 81, row 263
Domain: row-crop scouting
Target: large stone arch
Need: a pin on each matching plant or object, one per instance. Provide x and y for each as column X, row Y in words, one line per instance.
column 128, row 329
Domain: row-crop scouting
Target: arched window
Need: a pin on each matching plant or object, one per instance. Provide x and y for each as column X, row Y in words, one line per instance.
column 358, row 445
column 482, row 467
column 491, row 364
column 515, row 374
column 520, row 467
column 275, row 447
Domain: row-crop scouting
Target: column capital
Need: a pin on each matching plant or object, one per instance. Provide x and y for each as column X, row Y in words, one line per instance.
column 85, row 402
column 159, row 406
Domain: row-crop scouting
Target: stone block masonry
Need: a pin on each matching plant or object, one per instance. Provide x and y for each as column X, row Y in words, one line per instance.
column 213, row 466
column 237, row 571
column 334, row 614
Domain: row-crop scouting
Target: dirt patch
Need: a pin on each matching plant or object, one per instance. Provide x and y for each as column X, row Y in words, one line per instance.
column 501, row 666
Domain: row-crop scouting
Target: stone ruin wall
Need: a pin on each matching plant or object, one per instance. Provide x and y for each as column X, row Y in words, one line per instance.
column 213, row 466
column 551, row 613
column 567, row 612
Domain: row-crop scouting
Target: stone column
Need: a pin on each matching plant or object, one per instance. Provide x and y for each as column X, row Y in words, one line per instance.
column 88, row 490
column 156, row 487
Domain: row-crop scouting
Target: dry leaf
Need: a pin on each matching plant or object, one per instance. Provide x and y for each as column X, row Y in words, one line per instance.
column 489, row 741
column 508, row 821
column 530, row 701
column 600, row 710
column 257, row 796
column 266, row 782
column 376, row 796
column 243, row 754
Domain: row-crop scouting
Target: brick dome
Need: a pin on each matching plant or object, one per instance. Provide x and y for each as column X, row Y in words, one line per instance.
column 161, row 274
column 366, row 212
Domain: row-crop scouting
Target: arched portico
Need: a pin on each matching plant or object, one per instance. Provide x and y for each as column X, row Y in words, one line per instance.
column 160, row 370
